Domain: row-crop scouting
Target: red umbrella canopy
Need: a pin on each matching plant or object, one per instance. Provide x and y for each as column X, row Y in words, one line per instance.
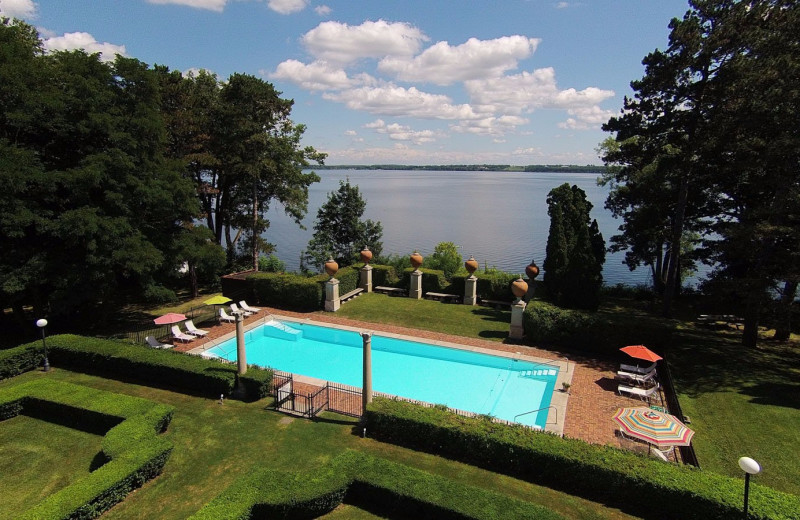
column 172, row 317
column 641, row 352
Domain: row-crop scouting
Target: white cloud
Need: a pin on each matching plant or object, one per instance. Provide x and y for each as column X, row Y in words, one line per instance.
column 443, row 64
column 490, row 125
column 392, row 100
column 398, row 132
column 350, row 133
column 85, row 41
column 211, row 5
column 340, row 43
column 287, row 6
column 18, row 8
column 530, row 152
column 528, row 91
column 323, row 10
column 586, row 118
column 317, row 75
column 562, row 5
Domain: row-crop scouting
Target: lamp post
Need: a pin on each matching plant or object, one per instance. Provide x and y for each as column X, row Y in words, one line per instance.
column 42, row 323
column 750, row 467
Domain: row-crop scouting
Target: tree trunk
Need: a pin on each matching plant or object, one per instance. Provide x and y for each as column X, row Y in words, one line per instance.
column 675, row 246
column 255, row 226
column 783, row 327
column 193, row 281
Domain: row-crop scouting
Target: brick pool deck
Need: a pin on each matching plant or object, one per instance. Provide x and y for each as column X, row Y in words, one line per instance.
column 591, row 404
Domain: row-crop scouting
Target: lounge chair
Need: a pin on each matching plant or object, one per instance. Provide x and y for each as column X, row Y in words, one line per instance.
column 177, row 334
column 639, row 379
column 153, row 342
column 235, row 309
column 634, row 391
column 243, row 305
column 636, row 369
column 191, row 329
column 224, row 316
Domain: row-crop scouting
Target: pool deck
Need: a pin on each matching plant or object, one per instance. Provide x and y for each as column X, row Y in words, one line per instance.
column 584, row 413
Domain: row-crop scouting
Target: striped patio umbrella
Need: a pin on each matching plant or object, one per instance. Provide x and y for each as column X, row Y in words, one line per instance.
column 657, row 428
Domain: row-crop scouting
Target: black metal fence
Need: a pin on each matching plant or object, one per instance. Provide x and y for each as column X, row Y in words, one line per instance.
column 688, row 456
column 199, row 315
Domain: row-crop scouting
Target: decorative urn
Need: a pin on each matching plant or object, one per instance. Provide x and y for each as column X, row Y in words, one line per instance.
column 331, row 267
column 519, row 287
column 416, row 260
column 366, row 255
column 532, row 271
column 471, row 265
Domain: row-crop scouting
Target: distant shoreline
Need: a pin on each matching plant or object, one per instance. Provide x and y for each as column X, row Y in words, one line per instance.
column 539, row 168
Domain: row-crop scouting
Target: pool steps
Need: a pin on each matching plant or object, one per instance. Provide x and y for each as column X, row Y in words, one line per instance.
column 539, row 372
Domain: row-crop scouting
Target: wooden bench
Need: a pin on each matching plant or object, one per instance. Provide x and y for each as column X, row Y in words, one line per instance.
column 352, row 294
column 496, row 303
column 390, row 290
column 442, row 296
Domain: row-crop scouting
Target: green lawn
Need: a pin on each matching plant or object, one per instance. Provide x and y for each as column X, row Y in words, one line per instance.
column 214, row 444
column 38, row 458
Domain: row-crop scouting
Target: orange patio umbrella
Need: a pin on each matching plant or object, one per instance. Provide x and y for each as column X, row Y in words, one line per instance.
column 641, row 352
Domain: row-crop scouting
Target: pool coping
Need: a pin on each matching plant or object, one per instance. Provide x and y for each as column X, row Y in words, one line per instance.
column 556, row 415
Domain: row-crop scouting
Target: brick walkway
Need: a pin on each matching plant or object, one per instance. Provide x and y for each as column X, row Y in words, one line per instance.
column 593, row 398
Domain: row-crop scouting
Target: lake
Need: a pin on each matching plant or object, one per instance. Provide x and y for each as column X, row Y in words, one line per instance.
column 498, row 217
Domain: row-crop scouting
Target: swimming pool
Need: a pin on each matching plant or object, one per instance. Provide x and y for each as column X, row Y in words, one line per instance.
column 481, row 383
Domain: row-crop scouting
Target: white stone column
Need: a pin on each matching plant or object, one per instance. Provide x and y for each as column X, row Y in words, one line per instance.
column 415, row 290
column 241, row 356
column 332, row 302
column 517, row 311
column 365, row 278
column 471, row 290
column 366, row 387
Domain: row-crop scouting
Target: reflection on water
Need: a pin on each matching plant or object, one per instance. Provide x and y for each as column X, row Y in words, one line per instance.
column 499, row 217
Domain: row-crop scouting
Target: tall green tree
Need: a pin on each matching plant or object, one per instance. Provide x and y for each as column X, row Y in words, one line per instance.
column 339, row 231
column 575, row 250
column 90, row 207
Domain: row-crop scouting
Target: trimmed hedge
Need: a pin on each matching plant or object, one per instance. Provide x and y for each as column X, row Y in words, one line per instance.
column 163, row 368
column 433, row 280
column 491, row 286
column 545, row 322
column 286, row 290
column 601, row 473
column 15, row 361
column 383, row 487
column 135, row 451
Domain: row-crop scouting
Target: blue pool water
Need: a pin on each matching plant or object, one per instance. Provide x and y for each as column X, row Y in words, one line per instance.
column 471, row 381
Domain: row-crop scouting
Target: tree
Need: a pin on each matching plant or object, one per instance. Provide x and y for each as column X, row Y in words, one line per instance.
column 237, row 142
column 575, row 250
column 446, row 258
column 339, row 231
column 203, row 257
column 90, row 206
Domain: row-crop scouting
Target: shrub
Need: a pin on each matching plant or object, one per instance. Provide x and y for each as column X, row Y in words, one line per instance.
column 271, row 264
column 159, row 294
column 286, row 290
column 432, row 280
column 547, row 323
column 384, row 487
column 494, row 285
column 135, row 452
column 15, row 361
column 385, row 275
column 445, row 258
column 162, row 368
column 602, row 473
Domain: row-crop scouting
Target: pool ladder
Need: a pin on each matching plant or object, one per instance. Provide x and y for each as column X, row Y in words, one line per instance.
column 538, row 410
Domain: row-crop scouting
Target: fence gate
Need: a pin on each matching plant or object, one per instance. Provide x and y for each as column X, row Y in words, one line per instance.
column 343, row 399
column 335, row 397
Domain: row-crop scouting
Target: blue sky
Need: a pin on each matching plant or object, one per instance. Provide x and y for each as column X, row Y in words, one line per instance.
column 412, row 82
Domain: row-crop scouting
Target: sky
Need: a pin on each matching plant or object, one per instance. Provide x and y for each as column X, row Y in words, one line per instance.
column 397, row 82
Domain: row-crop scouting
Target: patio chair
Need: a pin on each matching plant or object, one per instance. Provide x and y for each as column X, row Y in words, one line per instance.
column 153, row 342
column 235, row 308
column 191, row 329
column 639, row 379
column 177, row 334
column 224, row 316
column 243, row 305
column 634, row 391
column 636, row 369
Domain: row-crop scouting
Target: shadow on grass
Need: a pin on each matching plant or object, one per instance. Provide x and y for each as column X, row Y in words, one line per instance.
column 493, row 315
column 786, row 395
column 493, row 334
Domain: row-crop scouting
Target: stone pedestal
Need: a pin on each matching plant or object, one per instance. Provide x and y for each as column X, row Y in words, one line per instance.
column 241, row 356
column 366, row 387
column 332, row 302
column 517, row 310
column 415, row 291
column 365, row 278
column 471, row 290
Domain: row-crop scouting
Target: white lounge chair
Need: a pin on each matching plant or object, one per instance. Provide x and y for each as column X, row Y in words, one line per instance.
column 634, row 391
column 243, row 305
column 177, row 334
column 224, row 316
column 639, row 379
column 636, row 369
column 191, row 329
column 153, row 342
column 235, row 309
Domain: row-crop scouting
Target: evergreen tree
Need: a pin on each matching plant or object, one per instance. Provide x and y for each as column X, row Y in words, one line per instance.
column 575, row 250
column 339, row 231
